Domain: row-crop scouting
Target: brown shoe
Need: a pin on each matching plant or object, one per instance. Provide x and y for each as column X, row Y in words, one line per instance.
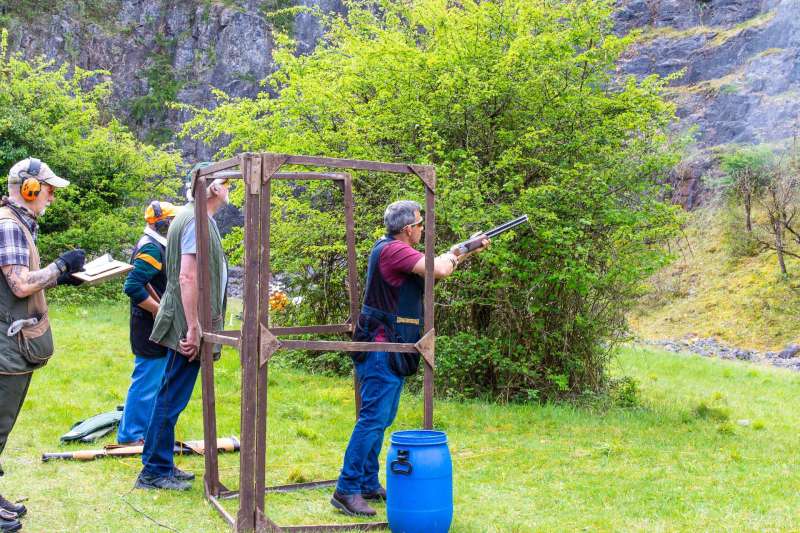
column 352, row 504
column 379, row 494
column 139, row 442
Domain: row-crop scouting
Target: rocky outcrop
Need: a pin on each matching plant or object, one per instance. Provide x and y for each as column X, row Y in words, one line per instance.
column 741, row 72
column 740, row 61
column 158, row 51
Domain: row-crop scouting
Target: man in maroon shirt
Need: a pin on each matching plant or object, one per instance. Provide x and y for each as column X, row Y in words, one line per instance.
column 391, row 312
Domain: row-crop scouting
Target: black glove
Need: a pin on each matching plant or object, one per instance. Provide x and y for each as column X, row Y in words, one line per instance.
column 66, row 278
column 71, row 261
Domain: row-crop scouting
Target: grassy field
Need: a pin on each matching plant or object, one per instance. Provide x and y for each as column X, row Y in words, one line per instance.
column 743, row 301
column 678, row 462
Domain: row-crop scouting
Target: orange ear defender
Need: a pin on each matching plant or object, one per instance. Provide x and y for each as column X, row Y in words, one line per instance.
column 31, row 187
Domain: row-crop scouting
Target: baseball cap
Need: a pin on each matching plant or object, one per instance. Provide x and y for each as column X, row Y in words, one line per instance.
column 27, row 169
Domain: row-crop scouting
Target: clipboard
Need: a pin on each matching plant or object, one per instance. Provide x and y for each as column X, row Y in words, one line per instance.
column 102, row 269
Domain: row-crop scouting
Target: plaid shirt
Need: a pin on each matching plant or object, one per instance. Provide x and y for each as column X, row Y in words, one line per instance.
column 13, row 247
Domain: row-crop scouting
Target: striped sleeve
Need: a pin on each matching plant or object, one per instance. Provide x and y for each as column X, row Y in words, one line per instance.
column 146, row 265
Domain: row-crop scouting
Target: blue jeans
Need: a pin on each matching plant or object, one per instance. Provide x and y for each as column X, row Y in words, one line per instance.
column 145, row 381
column 380, row 395
column 173, row 395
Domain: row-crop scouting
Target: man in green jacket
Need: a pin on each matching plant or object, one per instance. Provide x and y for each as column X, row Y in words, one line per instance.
column 31, row 189
column 177, row 326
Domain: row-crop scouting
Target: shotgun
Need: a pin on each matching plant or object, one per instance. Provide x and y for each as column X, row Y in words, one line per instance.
column 152, row 292
column 475, row 242
column 115, row 450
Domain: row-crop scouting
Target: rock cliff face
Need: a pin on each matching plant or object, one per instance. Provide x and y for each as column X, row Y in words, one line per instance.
column 740, row 59
column 159, row 51
column 741, row 62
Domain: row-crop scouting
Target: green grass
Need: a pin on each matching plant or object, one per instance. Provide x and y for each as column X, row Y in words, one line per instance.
column 679, row 462
column 706, row 292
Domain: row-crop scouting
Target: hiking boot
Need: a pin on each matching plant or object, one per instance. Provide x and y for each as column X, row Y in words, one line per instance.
column 10, row 525
column 182, row 475
column 352, row 504
column 145, row 481
column 378, row 494
column 139, row 442
column 17, row 508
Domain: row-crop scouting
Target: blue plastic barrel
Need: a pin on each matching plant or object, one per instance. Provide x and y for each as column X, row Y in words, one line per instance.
column 419, row 482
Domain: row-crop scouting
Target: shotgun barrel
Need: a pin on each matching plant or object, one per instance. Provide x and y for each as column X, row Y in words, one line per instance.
column 475, row 243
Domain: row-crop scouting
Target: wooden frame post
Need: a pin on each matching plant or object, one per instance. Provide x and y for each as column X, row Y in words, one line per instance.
column 258, row 341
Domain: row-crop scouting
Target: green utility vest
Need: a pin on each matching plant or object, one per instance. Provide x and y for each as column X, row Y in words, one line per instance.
column 33, row 345
column 170, row 324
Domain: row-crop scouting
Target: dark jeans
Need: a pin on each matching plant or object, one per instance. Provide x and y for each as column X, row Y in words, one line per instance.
column 380, row 396
column 173, row 395
column 148, row 373
column 12, row 393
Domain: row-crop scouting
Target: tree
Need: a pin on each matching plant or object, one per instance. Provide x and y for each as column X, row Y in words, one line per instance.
column 746, row 175
column 516, row 104
column 47, row 112
column 779, row 200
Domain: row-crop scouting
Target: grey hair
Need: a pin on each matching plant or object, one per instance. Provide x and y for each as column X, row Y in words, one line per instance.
column 209, row 194
column 399, row 214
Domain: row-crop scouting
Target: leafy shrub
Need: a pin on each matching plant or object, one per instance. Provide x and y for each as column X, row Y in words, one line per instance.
column 47, row 112
column 326, row 363
column 110, row 291
column 515, row 103
column 481, row 367
column 624, row 392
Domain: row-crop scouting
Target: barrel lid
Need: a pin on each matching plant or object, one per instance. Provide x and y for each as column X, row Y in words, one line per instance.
column 418, row 437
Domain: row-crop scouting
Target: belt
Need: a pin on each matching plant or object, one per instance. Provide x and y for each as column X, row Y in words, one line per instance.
column 383, row 316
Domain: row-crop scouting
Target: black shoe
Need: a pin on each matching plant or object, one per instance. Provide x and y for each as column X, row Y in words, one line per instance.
column 352, row 504
column 161, row 482
column 10, row 525
column 19, row 509
column 378, row 494
column 182, row 475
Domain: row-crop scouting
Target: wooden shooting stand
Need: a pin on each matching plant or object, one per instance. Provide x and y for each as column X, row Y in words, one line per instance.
column 257, row 342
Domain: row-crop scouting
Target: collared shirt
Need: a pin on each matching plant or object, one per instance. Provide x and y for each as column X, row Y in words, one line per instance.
column 13, row 246
column 189, row 246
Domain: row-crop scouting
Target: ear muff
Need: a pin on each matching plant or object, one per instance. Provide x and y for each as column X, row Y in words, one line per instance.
column 160, row 225
column 31, row 187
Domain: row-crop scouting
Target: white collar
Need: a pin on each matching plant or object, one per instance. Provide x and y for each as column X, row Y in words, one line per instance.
column 154, row 234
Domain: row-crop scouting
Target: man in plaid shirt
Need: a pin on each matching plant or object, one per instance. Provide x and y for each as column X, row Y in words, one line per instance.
column 31, row 188
column 13, row 247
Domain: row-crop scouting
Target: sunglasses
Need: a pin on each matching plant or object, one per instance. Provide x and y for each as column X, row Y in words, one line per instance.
column 417, row 223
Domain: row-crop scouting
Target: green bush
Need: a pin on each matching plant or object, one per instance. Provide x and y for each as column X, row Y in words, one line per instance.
column 516, row 104
column 481, row 367
column 46, row 112
column 326, row 363
column 85, row 297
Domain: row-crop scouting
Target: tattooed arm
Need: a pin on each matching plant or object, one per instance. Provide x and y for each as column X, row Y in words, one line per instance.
column 24, row 282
